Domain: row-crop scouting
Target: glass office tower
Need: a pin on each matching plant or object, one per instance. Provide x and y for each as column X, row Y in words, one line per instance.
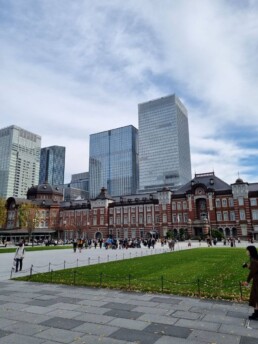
column 52, row 165
column 19, row 161
column 114, row 161
column 164, row 149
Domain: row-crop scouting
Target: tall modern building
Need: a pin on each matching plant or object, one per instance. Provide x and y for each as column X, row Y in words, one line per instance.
column 19, row 161
column 80, row 181
column 52, row 165
column 114, row 161
column 164, row 149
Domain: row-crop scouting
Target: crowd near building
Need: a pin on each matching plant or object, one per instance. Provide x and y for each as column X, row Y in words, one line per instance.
column 139, row 185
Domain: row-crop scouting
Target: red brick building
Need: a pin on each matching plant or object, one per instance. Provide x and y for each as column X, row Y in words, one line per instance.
column 203, row 204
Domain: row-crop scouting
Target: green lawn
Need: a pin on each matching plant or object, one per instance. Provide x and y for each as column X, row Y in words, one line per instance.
column 205, row 272
column 35, row 248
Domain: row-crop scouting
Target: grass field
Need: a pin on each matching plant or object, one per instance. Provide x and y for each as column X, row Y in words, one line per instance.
column 204, row 272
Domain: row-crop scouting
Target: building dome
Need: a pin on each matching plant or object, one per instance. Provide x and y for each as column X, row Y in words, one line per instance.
column 239, row 181
column 44, row 191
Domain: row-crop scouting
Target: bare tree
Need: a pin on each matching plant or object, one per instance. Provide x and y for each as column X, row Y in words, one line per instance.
column 29, row 214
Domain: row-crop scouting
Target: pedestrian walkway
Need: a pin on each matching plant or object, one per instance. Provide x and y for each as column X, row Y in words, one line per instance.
column 33, row 313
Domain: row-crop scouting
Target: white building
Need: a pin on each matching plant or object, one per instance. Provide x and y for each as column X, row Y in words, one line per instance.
column 19, row 161
column 164, row 149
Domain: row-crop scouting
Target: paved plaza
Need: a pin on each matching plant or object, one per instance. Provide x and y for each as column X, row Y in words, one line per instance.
column 50, row 314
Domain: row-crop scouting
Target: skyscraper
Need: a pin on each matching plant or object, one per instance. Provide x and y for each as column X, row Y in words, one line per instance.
column 164, row 149
column 19, row 161
column 52, row 165
column 114, row 161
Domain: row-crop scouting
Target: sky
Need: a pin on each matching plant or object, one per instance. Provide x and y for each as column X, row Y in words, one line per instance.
column 71, row 68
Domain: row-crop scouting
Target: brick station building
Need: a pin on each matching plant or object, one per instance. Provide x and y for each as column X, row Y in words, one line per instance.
column 203, row 204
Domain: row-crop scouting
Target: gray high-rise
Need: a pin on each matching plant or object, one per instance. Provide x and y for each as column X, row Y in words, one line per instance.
column 114, row 161
column 164, row 149
column 52, row 165
column 19, row 161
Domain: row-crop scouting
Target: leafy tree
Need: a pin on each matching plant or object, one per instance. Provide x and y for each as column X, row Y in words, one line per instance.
column 29, row 215
column 3, row 212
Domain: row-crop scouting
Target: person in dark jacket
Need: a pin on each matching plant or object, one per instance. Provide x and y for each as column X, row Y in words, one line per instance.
column 253, row 275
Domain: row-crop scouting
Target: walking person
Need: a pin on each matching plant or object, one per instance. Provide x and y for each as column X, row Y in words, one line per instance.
column 253, row 275
column 18, row 257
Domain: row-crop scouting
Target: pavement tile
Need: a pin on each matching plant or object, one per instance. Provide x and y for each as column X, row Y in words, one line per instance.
column 25, row 328
column 185, row 315
column 152, row 310
column 167, row 300
column 36, row 309
column 96, row 329
column 168, row 330
column 248, row 340
column 130, row 324
column 4, row 333
column 141, row 337
column 116, row 305
column 222, row 319
column 59, row 335
column 89, row 309
column 201, row 325
column 41, row 303
column 15, row 338
column 94, row 318
column 62, row 323
column 213, row 337
column 6, row 322
column 156, row 318
column 173, row 340
column 239, row 330
column 234, row 314
column 61, row 305
column 91, row 339
column 29, row 318
column 63, row 313
column 119, row 313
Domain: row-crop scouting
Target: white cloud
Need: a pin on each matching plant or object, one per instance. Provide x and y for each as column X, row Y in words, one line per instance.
column 75, row 68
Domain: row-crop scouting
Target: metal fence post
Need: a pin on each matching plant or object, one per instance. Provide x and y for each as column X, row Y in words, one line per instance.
column 64, row 264
column 31, row 268
column 89, row 261
column 199, row 287
column 100, row 279
column 49, row 267
column 51, row 276
column 77, row 262
column 241, row 291
column 162, row 283
column 129, row 281
column 74, row 275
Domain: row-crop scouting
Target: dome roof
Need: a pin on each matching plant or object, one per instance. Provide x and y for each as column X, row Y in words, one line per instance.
column 45, row 189
column 239, row 181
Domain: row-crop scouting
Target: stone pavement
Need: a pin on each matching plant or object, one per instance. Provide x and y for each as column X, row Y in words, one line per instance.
column 33, row 313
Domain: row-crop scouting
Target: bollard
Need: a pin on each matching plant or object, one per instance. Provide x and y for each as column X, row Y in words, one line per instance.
column 31, row 268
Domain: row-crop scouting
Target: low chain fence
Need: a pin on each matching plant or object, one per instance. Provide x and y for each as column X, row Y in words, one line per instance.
column 90, row 261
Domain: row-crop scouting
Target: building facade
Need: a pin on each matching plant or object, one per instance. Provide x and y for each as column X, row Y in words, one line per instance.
column 164, row 149
column 19, row 161
column 198, row 208
column 52, row 165
column 113, row 161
